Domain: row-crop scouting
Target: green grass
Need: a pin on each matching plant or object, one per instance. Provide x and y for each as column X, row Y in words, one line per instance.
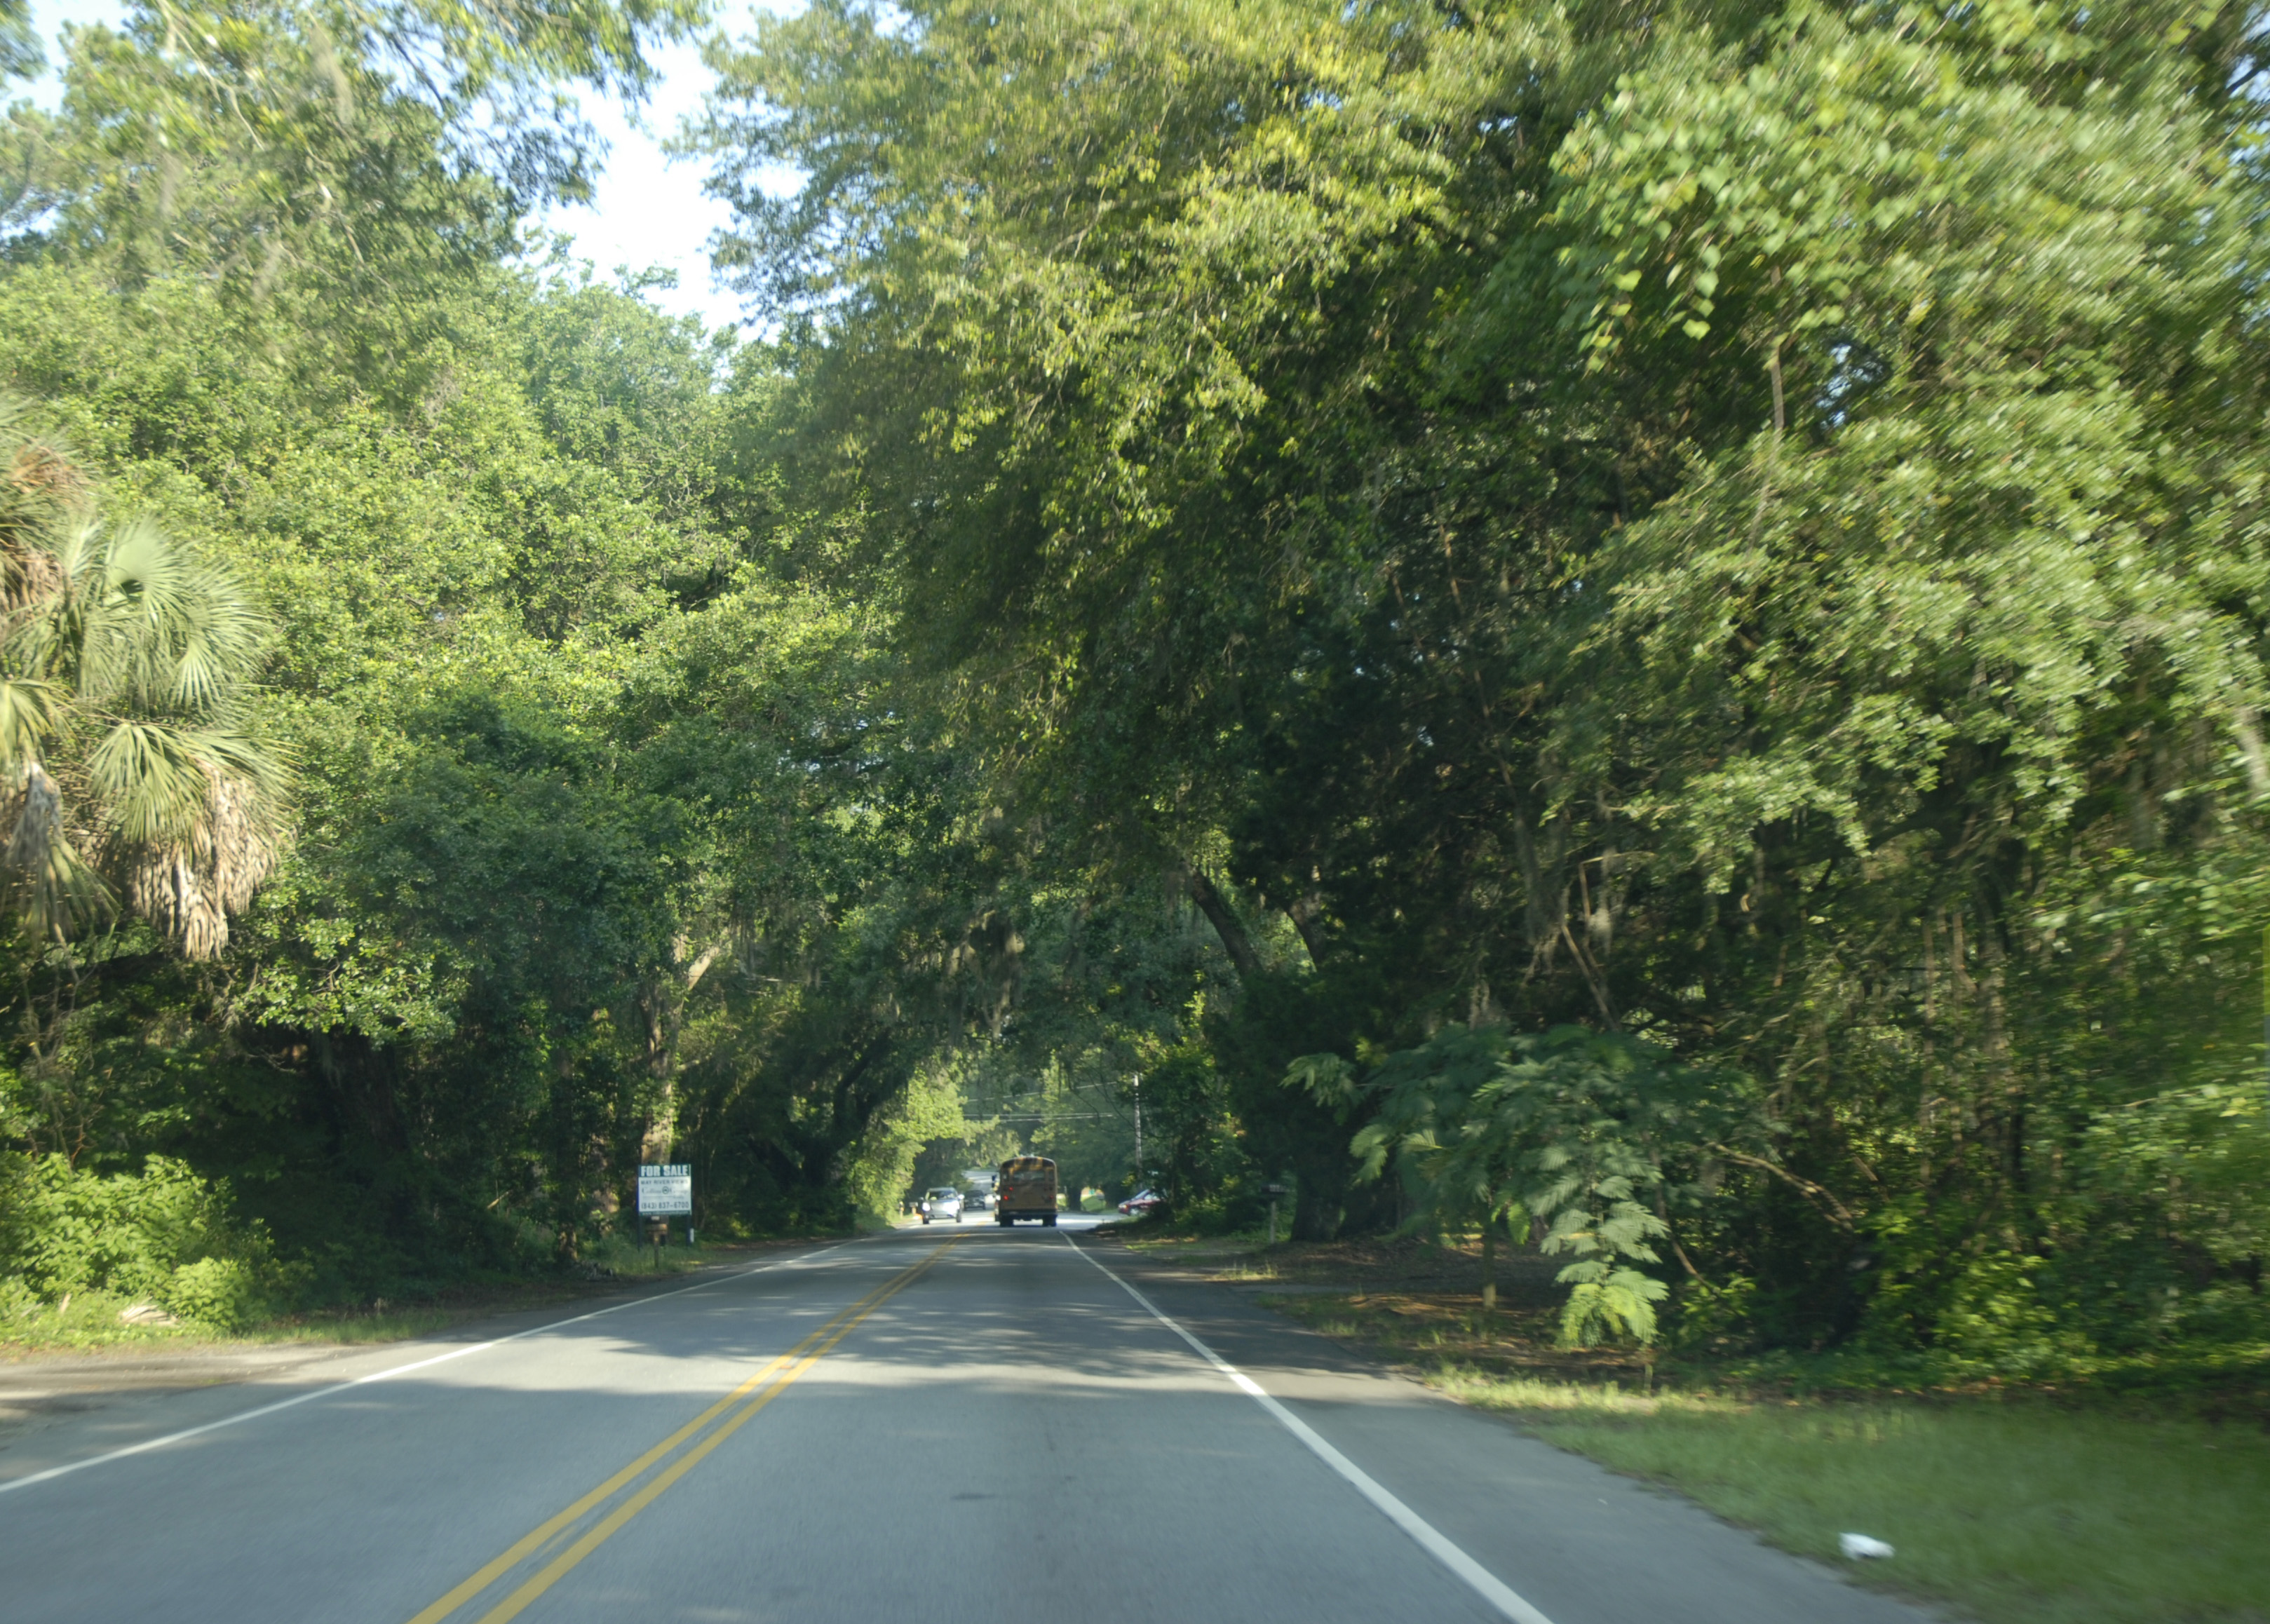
column 2142, row 1492
column 2017, row 1511
column 88, row 1321
column 1155, row 1235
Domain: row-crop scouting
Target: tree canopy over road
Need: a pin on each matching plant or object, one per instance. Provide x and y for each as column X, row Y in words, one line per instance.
column 1645, row 618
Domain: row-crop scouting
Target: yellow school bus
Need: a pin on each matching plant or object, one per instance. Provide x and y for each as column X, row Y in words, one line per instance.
column 1027, row 1189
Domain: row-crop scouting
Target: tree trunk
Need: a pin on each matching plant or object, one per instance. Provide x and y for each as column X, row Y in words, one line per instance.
column 1227, row 925
column 1304, row 913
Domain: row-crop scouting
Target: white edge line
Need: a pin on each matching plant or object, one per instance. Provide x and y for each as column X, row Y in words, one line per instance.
column 1484, row 1584
column 147, row 1444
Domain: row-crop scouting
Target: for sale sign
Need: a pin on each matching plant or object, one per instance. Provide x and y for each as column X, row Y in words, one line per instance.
column 665, row 1190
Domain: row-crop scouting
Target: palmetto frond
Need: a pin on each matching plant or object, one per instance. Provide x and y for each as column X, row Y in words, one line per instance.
column 152, row 782
column 39, row 487
column 124, row 660
column 188, row 888
column 167, row 629
column 58, row 894
column 27, row 719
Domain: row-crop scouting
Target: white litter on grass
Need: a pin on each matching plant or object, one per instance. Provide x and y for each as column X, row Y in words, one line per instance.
column 1860, row 1548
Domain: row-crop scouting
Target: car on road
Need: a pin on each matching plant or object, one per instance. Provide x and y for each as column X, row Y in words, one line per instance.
column 1141, row 1201
column 977, row 1201
column 941, row 1205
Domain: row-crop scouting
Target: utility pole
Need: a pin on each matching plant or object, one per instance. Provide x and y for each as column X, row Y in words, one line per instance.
column 1139, row 1128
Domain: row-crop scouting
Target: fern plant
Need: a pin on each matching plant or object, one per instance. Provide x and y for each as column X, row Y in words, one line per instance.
column 1569, row 1127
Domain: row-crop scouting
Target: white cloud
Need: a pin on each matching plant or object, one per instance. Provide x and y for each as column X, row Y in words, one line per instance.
column 647, row 211
column 48, row 17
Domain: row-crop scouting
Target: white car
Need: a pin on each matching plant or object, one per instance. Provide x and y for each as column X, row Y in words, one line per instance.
column 942, row 1205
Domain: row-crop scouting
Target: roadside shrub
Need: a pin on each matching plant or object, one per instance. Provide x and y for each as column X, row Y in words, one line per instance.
column 1716, row 1319
column 224, row 1292
column 164, row 1235
column 1996, row 1321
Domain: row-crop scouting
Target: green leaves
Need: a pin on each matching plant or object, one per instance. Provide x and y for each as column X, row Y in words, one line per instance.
column 1331, row 1082
column 1568, row 1128
column 153, row 786
column 340, row 172
column 1054, row 276
column 1607, row 1294
column 21, row 54
column 124, row 660
column 1614, row 1301
column 1629, row 558
column 28, row 717
column 57, row 893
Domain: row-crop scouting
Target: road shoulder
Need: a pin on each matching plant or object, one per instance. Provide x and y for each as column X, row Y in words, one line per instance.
column 1580, row 1543
column 62, row 1407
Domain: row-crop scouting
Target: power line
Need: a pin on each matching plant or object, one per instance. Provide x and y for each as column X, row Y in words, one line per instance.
column 997, row 1117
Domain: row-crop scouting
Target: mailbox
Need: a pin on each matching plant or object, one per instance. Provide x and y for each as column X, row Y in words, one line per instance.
column 1276, row 1193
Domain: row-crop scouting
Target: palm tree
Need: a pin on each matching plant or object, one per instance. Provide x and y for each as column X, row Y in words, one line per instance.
column 125, row 762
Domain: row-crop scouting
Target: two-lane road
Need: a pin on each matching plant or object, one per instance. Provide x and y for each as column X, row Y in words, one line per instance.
column 947, row 1424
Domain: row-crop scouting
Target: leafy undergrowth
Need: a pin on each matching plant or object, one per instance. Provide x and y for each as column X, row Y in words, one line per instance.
column 2139, row 1492
column 1417, row 1299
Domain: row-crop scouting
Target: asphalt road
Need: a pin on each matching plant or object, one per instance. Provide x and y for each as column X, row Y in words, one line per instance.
column 939, row 1426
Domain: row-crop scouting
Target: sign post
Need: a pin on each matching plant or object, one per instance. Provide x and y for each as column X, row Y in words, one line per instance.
column 666, row 1191
column 1276, row 1193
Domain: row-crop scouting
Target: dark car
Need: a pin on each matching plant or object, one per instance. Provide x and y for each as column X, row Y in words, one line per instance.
column 1141, row 1201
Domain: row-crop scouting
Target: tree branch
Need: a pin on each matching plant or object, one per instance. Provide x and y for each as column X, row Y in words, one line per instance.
column 1227, row 925
column 1806, row 1187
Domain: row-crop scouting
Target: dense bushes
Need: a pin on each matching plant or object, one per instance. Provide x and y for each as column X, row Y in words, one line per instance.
column 601, row 845
column 1733, row 525
column 1727, row 533
column 163, row 1236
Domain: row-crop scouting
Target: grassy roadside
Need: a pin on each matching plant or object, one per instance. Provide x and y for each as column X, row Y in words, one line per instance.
column 2019, row 1510
column 90, row 1322
column 2009, row 1505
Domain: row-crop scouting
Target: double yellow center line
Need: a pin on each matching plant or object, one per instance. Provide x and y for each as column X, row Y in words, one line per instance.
column 766, row 1385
